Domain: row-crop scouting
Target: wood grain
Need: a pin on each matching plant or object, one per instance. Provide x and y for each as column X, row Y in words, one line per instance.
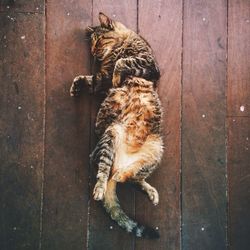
column 238, row 90
column 21, row 129
column 239, row 182
column 163, row 30
column 22, row 5
column 203, row 125
column 101, row 236
column 67, row 127
column 46, row 136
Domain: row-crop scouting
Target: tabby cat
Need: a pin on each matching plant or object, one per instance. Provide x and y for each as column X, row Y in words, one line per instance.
column 129, row 120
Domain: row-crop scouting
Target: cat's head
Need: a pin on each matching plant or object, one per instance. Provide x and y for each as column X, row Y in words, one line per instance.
column 104, row 36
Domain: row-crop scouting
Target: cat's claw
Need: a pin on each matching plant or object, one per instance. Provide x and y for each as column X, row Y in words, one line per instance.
column 98, row 192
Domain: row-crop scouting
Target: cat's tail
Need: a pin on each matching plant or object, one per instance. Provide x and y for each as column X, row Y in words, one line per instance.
column 112, row 206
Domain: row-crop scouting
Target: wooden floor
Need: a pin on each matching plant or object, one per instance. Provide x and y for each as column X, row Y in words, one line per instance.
column 203, row 48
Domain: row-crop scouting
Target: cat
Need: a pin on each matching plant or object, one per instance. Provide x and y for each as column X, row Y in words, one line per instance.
column 120, row 53
column 128, row 122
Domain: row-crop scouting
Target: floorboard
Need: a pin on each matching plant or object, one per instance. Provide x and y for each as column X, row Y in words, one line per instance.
column 163, row 30
column 67, row 138
column 21, row 129
column 203, row 125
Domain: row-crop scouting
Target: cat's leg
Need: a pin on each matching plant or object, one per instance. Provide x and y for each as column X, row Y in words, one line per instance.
column 139, row 170
column 78, row 84
column 135, row 66
column 137, row 174
column 104, row 153
column 151, row 191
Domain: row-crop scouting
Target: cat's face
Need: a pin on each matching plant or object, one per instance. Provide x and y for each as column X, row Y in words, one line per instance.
column 104, row 36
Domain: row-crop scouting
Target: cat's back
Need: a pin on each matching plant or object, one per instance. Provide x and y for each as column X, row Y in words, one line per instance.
column 136, row 45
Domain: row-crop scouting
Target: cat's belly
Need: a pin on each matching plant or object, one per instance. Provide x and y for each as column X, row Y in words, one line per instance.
column 122, row 159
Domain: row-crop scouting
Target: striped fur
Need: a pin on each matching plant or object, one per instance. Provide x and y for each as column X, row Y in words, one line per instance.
column 129, row 119
column 121, row 53
column 130, row 147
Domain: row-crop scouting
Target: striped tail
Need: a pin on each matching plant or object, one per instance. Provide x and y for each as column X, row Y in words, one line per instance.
column 112, row 206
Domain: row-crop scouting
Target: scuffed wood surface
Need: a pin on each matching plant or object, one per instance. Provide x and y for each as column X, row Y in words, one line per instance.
column 204, row 198
column 21, row 129
column 163, row 30
column 46, row 136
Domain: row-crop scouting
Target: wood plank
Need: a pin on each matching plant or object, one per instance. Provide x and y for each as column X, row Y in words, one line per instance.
column 67, row 139
column 21, row 129
column 203, row 125
column 22, row 5
column 163, row 30
column 100, row 234
column 238, row 90
column 239, row 182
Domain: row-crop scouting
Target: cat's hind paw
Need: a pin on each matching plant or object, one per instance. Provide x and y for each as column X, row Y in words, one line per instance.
column 151, row 192
column 99, row 192
column 153, row 195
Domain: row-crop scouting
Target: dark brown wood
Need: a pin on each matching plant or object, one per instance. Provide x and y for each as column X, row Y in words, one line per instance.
column 22, row 5
column 161, row 24
column 239, row 182
column 103, row 232
column 238, row 100
column 46, row 136
column 67, row 127
column 203, row 125
column 21, row 129
column 238, row 91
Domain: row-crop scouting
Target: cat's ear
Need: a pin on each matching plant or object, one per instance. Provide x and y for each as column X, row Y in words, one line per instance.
column 105, row 21
column 90, row 30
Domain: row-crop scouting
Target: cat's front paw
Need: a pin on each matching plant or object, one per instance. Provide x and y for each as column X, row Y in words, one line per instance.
column 99, row 192
column 77, row 85
column 79, row 82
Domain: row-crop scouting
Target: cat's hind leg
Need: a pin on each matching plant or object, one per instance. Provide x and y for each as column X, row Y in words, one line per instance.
column 104, row 155
column 79, row 82
column 138, row 174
